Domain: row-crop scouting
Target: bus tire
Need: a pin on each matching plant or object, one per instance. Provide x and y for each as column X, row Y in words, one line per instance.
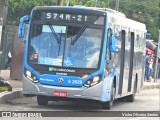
column 108, row 105
column 42, row 100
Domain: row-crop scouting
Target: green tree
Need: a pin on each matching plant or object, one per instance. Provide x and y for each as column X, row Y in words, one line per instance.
column 19, row 8
column 145, row 11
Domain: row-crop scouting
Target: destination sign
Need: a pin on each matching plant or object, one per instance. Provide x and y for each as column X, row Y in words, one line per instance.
column 68, row 17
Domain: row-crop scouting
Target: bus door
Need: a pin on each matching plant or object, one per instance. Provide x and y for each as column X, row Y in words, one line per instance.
column 127, row 66
column 131, row 57
column 126, row 55
column 124, row 65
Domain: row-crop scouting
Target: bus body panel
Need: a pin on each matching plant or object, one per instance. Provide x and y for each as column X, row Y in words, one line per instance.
column 122, row 23
column 94, row 92
column 107, row 86
column 100, row 91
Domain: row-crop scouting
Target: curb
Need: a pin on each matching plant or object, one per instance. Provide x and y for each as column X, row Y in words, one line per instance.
column 151, row 86
column 6, row 96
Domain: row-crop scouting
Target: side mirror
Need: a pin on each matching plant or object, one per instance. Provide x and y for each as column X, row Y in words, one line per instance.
column 112, row 44
column 112, row 41
column 22, row 25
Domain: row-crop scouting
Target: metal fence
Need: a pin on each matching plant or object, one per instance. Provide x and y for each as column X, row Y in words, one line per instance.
column 7, row 40
column 11, row 43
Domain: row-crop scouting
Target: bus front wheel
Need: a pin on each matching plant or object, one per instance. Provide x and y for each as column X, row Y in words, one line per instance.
column 108, row 105
column 42, row 100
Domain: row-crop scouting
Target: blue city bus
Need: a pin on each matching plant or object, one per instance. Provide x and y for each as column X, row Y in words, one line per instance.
column 82, row 53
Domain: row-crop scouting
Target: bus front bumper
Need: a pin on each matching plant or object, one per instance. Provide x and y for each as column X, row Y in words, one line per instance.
column 93, row 93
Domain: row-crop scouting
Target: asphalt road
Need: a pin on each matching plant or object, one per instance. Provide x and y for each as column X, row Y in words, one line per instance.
column 147, row 100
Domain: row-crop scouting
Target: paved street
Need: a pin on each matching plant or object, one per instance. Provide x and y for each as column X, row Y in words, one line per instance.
column 147, row 100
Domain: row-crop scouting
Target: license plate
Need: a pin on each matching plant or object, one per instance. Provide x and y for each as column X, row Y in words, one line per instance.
column 58, row 93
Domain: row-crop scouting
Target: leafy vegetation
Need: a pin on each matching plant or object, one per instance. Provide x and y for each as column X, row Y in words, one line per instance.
column 145, row 11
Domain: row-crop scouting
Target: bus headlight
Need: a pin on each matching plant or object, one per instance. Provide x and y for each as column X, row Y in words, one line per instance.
column 30, row 76
column 95, row 80
column 28, row 73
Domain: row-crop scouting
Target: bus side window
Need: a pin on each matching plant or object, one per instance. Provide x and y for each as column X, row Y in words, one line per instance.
column 113, row 61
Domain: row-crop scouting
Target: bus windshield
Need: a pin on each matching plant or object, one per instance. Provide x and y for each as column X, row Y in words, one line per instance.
column 65, row 46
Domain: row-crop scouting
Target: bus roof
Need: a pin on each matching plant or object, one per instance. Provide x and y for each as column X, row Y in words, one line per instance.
column 78, row 7
column 109, row 12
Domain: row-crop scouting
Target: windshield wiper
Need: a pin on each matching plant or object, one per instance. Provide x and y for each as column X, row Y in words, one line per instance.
column 79, row 34
column 55, row 34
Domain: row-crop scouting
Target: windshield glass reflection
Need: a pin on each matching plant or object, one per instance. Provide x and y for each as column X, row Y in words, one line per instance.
column 53, row 45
